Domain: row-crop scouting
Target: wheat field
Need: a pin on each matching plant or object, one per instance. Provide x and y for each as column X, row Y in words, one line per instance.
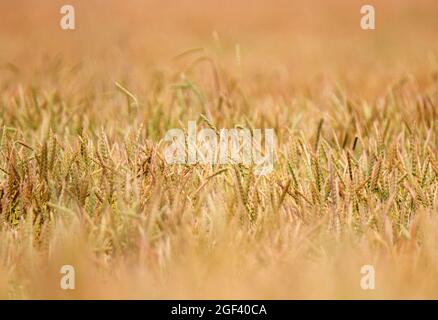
column 83, row 180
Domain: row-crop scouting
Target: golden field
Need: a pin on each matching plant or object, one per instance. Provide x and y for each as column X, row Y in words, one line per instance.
column 83, row 182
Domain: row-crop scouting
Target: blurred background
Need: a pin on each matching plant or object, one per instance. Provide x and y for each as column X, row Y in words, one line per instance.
column 289, row 42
